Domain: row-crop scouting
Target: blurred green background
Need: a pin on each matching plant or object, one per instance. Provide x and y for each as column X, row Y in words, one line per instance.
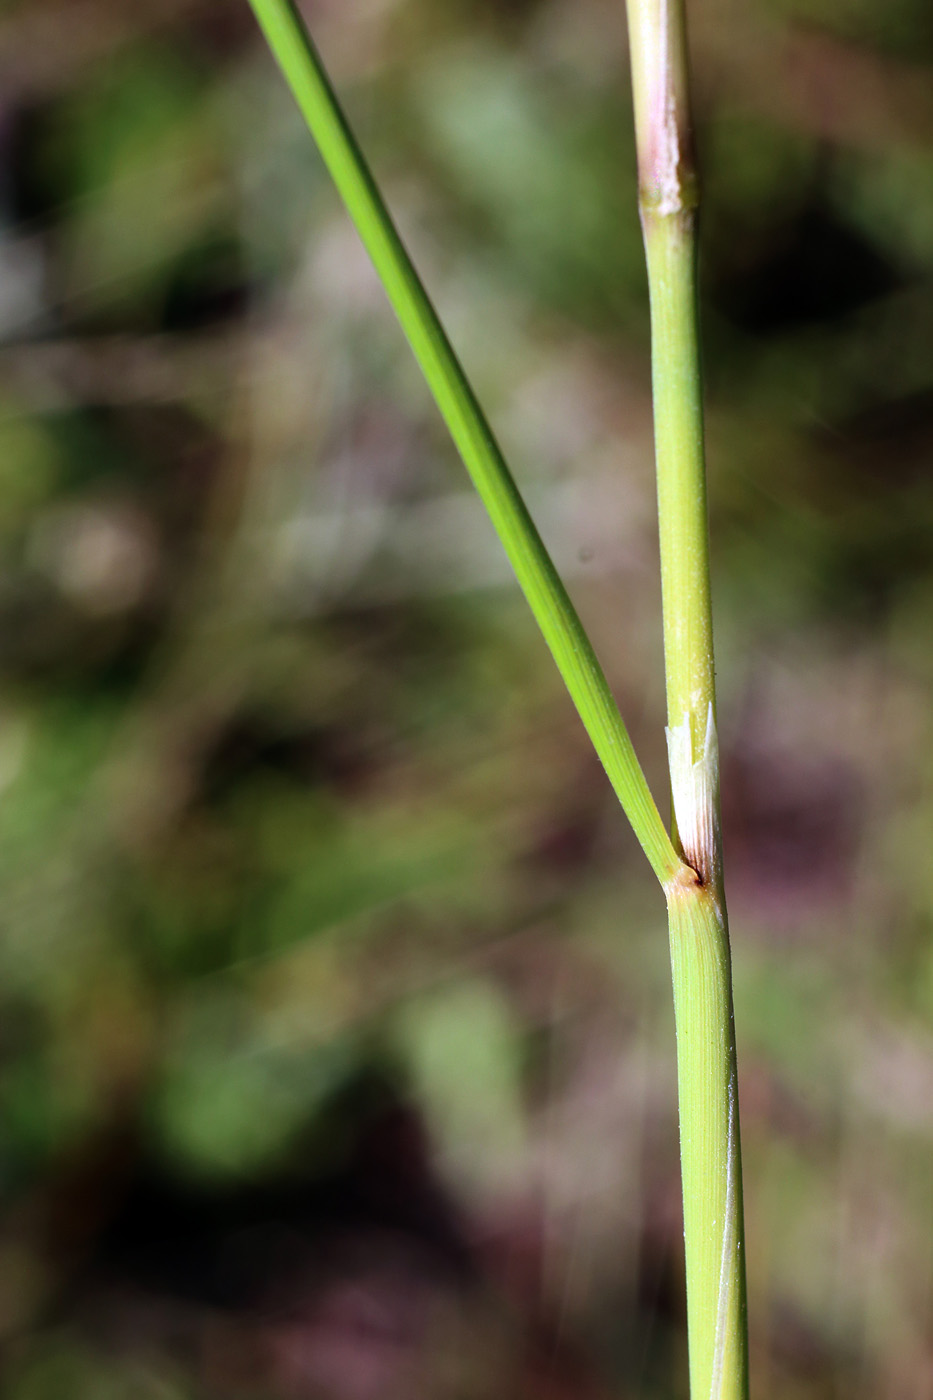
column 336, row 1049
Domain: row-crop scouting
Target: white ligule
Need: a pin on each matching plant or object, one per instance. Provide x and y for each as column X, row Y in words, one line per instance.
column 694, row 784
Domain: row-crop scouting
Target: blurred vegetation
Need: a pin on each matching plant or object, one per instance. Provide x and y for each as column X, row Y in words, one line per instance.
column 320, row 932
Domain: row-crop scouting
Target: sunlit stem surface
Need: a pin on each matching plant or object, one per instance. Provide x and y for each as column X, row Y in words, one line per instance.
column 562, row 629
column 700, row 958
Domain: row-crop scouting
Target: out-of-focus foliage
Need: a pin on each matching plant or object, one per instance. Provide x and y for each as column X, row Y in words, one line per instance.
column 325, row 955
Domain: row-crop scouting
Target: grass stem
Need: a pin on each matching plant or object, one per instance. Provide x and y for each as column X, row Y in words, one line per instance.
column 700, row 955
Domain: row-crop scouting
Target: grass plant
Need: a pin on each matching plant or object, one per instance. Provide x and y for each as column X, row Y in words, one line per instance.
column 687, row 862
